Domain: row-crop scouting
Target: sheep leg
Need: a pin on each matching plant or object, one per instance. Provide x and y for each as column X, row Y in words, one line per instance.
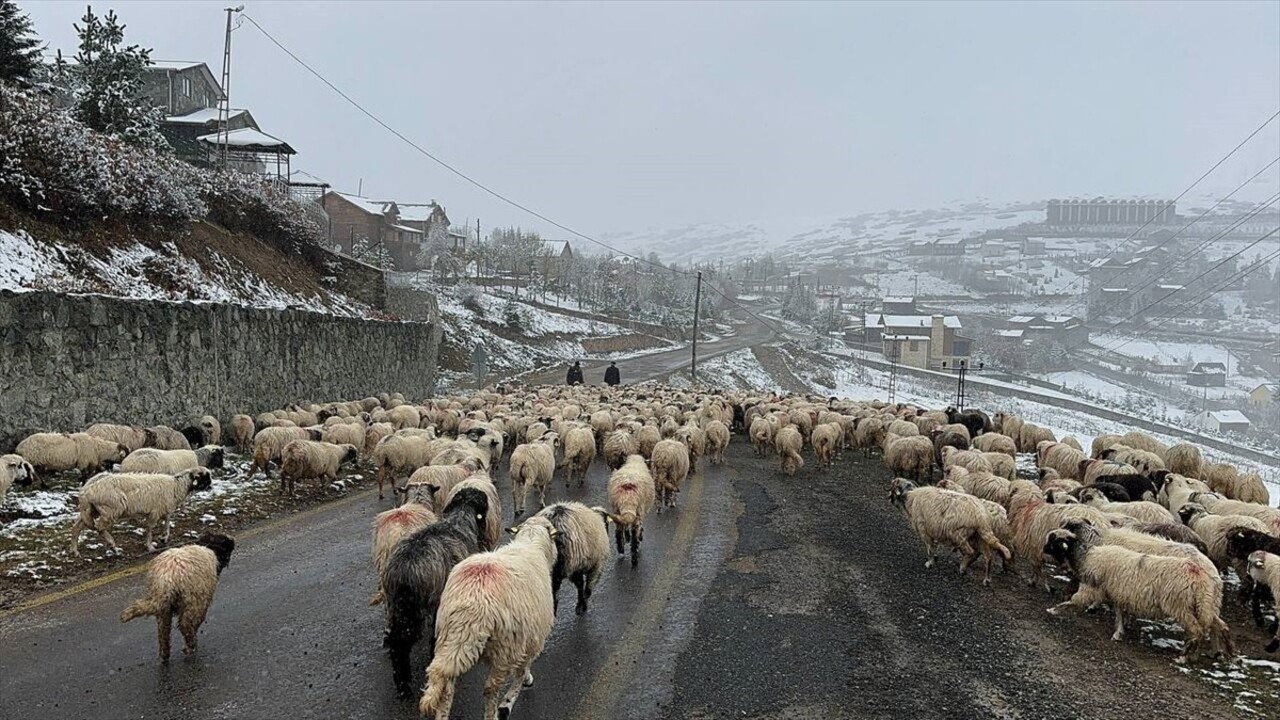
column 969, row 554
column 635, row 546
column 579, row 581
column 542, row 494
column 931, row 553
column 78, row 528
column 556, row 581
column 494, row 684
column 104, row 530
column 382, row 477
column 523, row 680
column 1256, row 606
column 168, row 527
column 164, row 626
column 189, row 625
column 617, row 535
column 517, row 498
column 1119, row 633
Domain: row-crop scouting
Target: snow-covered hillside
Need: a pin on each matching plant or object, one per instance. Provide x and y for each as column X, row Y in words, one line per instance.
column 824, row 238
column 161, row 270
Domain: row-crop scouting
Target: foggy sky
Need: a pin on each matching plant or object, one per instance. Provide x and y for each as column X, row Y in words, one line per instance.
column 616, row 117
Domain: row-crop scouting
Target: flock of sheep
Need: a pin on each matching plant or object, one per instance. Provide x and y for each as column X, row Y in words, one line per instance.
column 1148, row 530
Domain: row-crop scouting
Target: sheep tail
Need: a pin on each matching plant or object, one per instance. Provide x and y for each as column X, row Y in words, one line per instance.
column 149, row 605
column 457, row 651
column 994, row 543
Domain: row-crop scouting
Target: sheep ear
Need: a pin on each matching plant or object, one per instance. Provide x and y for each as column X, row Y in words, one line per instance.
column 514, row 530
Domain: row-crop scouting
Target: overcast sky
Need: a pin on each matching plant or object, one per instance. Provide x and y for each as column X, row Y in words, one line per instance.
column 616, row 117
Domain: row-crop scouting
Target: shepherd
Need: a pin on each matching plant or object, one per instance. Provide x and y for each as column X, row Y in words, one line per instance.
column 612, row 377
column 574, row 377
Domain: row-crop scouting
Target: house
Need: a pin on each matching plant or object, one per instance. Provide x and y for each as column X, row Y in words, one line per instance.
column 1223, row 421
column 948, row 246
column 909, row 350
column 1067, row 330
column 361, row 227
column 942, row 331
column 1207, row 374
column 555, row 260
column 181, row 87
column 899, row 305
column 1264, row 394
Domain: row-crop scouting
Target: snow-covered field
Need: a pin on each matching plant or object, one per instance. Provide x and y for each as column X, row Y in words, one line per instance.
column 1163, row 352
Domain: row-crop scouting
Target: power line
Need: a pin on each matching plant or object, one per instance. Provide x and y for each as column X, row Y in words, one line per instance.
column 1260, row 264
column 1184, row 192
column 1083, row 300
column 442, row 163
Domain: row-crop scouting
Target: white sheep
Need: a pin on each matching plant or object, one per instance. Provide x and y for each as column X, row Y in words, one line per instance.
column 826, row 441
column 533, row 466
column 269, row 442
column 579, row 453
column 582, row 546
column 181, row 581
column 56, row 452
column 130, row 436
column 788, row 441
column 939, row 516
column 632, row 495
column 761, row 434
column 14, row 469
column 910, row 457
column 307, row 459
column 172, row 462
column 718, row 437
column 389, row 528
column 497, row 607
column 618, row 446
column 1223, row 506
column 1142, row 510
column 1186, row 588
column 670, row 467
column 403, row 454
column 1214, row 529
column 116, row 496
column 242, row 431
column 163, row 437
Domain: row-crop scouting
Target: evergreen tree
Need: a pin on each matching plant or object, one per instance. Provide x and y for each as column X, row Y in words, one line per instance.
column 19, row 47
column 106, row 82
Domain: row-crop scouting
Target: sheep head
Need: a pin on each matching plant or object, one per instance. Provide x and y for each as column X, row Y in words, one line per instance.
column 1190, row 511
column 221, row 545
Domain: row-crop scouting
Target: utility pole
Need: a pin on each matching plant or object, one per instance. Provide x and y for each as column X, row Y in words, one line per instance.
column 697, row 305
column 895, row 351
column 224, row 107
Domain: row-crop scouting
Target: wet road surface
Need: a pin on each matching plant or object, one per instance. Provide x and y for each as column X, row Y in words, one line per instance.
column 760, row 596
column 657, row 366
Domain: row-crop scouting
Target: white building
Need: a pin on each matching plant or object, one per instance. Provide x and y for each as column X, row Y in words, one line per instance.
column 1223, row 421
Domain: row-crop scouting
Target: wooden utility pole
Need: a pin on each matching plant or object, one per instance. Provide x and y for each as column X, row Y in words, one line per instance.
column 697, row 305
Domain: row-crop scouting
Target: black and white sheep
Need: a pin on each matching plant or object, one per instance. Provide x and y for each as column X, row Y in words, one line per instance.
column 172, row 462
column 582, row 546
column 416, row 574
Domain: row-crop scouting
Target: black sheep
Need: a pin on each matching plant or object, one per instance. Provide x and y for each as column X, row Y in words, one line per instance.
column 1113, row 492
column 942, row 439
column 416, row 574
column 975, row 420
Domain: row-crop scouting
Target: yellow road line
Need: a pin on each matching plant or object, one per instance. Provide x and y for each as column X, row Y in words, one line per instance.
column 601, row 699
column 141, row 565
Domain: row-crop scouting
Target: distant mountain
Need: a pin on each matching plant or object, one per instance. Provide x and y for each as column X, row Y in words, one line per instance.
column 818, row 239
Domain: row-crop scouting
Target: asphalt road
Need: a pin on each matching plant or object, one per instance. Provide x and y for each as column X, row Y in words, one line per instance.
column 658, row 365
column 760, row 596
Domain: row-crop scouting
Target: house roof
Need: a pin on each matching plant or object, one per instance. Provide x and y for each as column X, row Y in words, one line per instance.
column 1232, row 417
column 203, row 116
column 1209, row 367
column 373, row 207
column 1273, row 388
column 1009, row 333
column 555, row 247
column 1021, row 319
column 951, row 241
column 417, row 212
column 406, row 228
column 251, row 140
column 899, row 299
column 909, row 321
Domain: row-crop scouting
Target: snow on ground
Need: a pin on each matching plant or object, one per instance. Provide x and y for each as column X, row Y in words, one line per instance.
column 140, row 271
column 1163, row 352
column 738, row 370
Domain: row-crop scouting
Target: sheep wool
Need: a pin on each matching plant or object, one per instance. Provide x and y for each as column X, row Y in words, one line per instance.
column 115, row 496
column 788, row 441
column 909, row 457
column 171, row 462
column 532, row 467
column 389, row 528
column 308, row 459
column 826, row 439
column 579, row 453
column 56, row 452
column 14, row 470
column 497, row 607
column 670, row 468
column 582, row 546
column 717, row 440
column 631, row 495
column 491, row 532
column 166, row 438
column 761, row 434
column 132, row 437
column 939, row 516
column 618, row 446
column 1264, row 569
column 242, row 431
column 181, row 581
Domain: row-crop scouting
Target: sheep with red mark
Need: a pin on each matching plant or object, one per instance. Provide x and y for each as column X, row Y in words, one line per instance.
column 632, row 495
column 498, row 608
column 389, row 528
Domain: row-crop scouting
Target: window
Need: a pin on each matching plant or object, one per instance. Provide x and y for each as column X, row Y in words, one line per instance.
column 913, row 346
column 186, row 87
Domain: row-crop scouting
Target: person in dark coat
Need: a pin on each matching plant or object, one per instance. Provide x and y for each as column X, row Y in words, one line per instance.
column 612, row 376
column 575, row 374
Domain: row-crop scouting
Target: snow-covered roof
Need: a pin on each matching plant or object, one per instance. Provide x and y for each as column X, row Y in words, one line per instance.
column 1059, row 319
column 1009, row 333
column 373, row 207
column 173, row 64
column 249, row 139
column 917, row 338
column 202, row 116
column 1115, row 290
column 1233, row 417
column 1171, row 287
column 1022, row 319
column 1271, row 387
column 305, row 177
column 406, row 228
column 1205, row 367
column 417, row 212
column 555, row 247
column 899, row 299
column 951, row 241
column 919, row 321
